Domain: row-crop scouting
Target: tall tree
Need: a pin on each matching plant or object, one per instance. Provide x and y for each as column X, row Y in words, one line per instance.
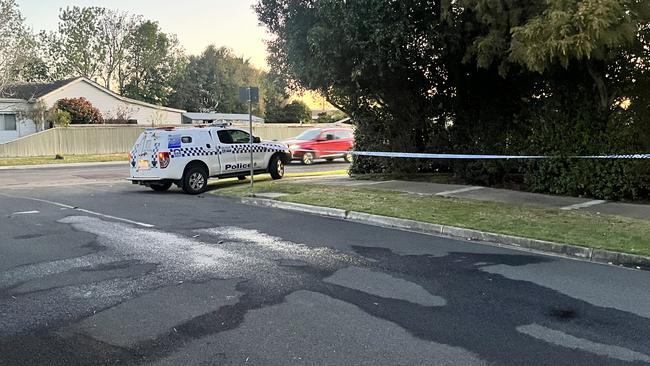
column 493, row 76
column 381, row 62
column 116, row 27
column 78, row 47
column 16, row 44
column 153, row 61
column 211, row 81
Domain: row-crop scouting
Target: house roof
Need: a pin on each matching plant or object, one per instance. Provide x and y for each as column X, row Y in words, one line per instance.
column 31, row 91
column 28, row 91
column 220, row 116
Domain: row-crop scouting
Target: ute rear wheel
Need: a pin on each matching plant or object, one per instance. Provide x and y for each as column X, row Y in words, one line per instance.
column 195, row 180
column 161, row 187
column 308, row 158
column 276, row 167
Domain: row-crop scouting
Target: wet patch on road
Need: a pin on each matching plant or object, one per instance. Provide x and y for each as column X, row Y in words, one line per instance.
column 383, row 285
column 284, row 295
column 28, row 236
column 81, row 276
column 563, row 314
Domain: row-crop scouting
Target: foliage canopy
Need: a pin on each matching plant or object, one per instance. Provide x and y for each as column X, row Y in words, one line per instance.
column 559, row 77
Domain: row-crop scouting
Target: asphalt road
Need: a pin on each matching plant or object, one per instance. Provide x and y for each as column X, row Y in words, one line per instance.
column 110, row 172
column 113, row 274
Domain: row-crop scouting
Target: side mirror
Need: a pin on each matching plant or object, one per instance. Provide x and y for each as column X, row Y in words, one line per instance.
column 256, row 139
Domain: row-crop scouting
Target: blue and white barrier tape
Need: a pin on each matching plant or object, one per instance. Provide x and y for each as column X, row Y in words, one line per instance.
column 471, row 156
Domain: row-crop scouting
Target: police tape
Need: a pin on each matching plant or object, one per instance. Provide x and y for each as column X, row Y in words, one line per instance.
column 474, row 156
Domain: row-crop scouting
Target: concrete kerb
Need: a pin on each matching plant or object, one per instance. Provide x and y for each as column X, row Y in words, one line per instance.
column 316, row 210
column 572, row 251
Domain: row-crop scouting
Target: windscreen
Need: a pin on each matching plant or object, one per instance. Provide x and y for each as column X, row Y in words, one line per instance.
column 309, row 134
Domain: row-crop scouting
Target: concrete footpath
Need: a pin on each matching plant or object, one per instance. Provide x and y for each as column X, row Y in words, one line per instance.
column 639, row 211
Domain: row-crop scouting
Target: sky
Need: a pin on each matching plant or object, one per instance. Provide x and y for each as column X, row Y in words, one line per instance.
column 197, row 23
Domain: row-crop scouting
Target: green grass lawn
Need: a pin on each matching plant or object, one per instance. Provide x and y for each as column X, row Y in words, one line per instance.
column 570, row 227
column 37, row 160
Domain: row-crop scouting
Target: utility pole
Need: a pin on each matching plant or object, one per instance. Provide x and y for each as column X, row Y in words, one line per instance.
column 250, row 125
column 250, row 94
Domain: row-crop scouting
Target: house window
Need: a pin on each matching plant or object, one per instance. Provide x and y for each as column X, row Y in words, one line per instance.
column 7, row 122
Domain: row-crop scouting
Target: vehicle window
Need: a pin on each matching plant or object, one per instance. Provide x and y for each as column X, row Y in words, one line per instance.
column 329, row 135
column 233, row 136
column 186, row 139
column 224, row 137
column 309, row 135
column 240, row 137
column 344, row 134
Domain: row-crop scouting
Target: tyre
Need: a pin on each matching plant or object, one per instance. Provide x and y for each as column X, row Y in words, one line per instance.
column 161, row 187
column 195, row 180
column 329, row 160
column 308, row 158
column 276, row 167
column 349, row 157
column 241, row 177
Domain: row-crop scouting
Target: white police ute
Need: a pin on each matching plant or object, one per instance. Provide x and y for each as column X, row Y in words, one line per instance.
column 187, row 157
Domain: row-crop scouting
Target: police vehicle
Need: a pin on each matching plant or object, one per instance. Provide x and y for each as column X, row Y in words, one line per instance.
column 187, row 157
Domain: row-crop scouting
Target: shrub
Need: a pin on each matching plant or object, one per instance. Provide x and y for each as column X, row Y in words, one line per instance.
column 81, row 110
column 59, row 117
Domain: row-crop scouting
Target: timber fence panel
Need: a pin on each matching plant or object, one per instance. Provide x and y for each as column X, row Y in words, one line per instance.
column 115, row 139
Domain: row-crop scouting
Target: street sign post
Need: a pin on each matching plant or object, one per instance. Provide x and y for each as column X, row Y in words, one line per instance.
column 251, row 95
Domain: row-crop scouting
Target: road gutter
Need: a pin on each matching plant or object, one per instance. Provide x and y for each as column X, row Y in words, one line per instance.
column 481, row 237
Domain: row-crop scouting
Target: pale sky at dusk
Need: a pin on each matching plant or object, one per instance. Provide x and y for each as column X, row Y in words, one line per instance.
column 197, row 23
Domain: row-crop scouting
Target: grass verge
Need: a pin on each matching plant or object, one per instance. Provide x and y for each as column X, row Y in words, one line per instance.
column 38, row 160
column 579, row 228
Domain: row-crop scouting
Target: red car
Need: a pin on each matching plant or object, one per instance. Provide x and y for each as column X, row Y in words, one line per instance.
column 322, row 143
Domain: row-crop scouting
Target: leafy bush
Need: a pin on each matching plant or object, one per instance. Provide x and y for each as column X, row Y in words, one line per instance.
column 59, row 117
column 468, row 77
column 81, row 110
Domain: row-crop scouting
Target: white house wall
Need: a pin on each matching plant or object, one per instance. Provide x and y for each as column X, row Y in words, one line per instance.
column 109, row 105
column 24, row 127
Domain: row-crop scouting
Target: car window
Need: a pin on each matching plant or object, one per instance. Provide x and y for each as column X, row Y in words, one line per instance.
column 224, row 136
column 329, row 135
column 309, row 135
column 343, row 134
column 240, row 137
column 233, row 136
